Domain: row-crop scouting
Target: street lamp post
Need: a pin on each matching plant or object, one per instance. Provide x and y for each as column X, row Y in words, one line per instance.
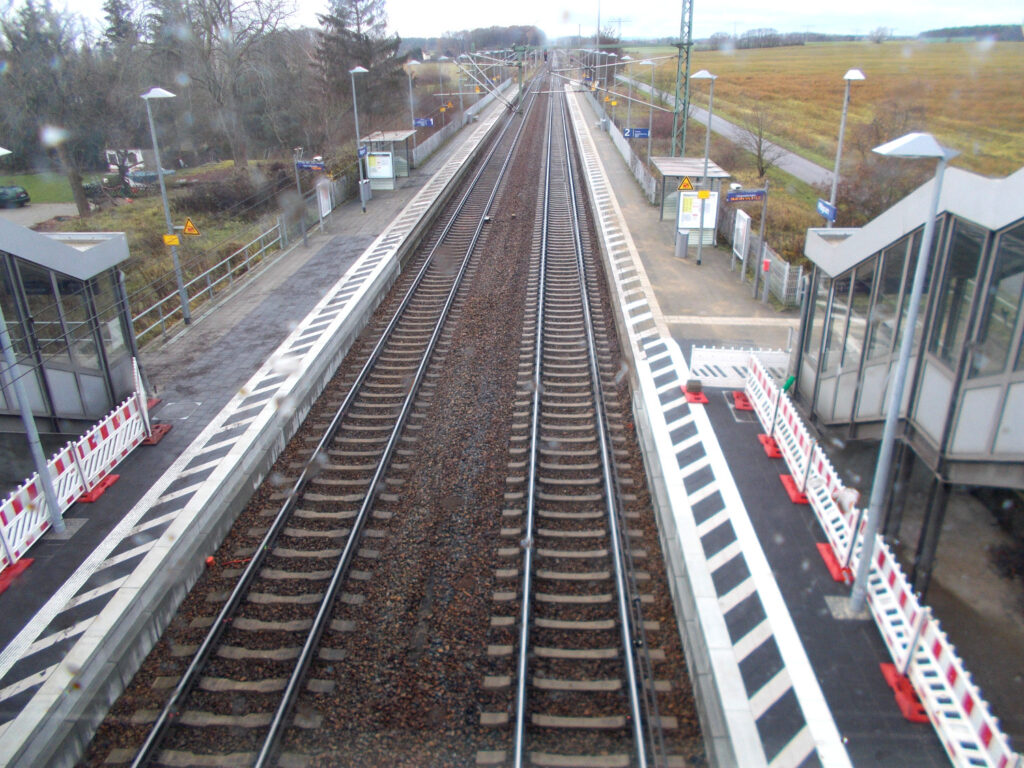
column 849, row 77
column 355, row 111
column 412, row 109
column 302, row 203
column 705, row 75
column 629, row 92
column 911, row 145
column 650, row 112
column 160, row 93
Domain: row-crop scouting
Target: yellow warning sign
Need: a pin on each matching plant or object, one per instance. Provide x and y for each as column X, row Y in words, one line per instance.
column 686, row 185
column 171, row 240
column 190, row 228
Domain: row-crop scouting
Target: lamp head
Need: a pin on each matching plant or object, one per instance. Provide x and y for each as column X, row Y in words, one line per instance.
column 916, row 145
column 358, row 71
column 157, row 93
column 703, row 75
column 853, row 74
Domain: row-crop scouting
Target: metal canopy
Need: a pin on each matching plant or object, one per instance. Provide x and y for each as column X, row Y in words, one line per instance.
column 393, row 136
column 81, row 255
column 688, row 166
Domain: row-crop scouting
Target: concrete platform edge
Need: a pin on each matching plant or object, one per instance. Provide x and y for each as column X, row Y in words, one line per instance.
column 64, row 730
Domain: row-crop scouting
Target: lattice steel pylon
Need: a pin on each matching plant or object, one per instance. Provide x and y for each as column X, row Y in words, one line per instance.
column 684, row 45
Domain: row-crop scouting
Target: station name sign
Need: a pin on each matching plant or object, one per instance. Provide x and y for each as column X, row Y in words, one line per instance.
column 744, row 196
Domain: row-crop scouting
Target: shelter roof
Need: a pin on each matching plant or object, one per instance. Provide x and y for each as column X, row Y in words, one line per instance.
column 81, row 255
column 393, row 136
column 990, row 203
column 688, row 166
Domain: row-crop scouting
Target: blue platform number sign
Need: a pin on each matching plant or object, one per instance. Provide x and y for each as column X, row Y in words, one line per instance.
column 362, row 151
column 636, row 133
column 423, row 122
column 827, row 210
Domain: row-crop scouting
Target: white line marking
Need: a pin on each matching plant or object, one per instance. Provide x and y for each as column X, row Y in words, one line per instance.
column 753, row 640
column 27, row 683
column 773, row 322
column 769, row 693
column 92, row 594
column 737, row 595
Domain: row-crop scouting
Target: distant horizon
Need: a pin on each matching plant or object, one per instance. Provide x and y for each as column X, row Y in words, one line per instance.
column 415, row 19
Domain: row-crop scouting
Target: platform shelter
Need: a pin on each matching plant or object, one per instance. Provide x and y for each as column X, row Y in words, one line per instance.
column 390, row 156
column 67, row 315
column 963, row 406
column 681, row 178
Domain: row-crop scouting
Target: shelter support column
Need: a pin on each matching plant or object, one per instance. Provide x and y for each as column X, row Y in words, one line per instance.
column 928, row 541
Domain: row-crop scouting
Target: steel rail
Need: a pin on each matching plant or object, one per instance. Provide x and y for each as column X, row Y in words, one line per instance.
column 202, row 655
column 519, row 735
column 320, row 622
column 610, row 494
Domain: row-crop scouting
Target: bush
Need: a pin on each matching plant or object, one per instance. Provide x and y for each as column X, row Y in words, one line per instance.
column 242, row 193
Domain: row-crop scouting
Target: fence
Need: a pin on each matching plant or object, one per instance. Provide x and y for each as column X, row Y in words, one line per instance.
column 919, row 649
column 428, row 146
column 75, row 469
column 785, row 281
column 637, row 166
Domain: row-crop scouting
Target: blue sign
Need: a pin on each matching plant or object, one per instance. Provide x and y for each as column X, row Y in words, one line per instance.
column 744, row 196
column 423, row 122
column 827, row 210
column 310, row 165
column 636, row 133
column 363, row 151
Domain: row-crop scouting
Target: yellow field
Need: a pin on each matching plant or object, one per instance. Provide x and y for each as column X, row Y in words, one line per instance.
column 967, row 94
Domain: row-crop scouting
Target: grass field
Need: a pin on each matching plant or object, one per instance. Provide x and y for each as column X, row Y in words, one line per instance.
column 967, row 94
column 41, row 187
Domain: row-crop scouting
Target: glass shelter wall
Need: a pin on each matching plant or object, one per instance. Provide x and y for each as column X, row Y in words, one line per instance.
column 69, row 338
column 965, row 395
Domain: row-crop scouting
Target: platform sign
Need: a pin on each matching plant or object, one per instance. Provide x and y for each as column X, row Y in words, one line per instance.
column 685, row 185
column 310, row 165
column 689, row 212
column 423, row 122
column 744, row 196
column 380, row 166
column 172, row 240
column 636, row 133
column 741, row 235
column 363, row 151
column 189, row 228
column 827, row 210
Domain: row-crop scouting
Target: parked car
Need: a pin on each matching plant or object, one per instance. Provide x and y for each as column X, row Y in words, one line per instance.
column 11, row 197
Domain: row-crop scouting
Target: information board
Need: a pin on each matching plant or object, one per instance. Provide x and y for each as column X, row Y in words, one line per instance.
column 380, row 166
column 689, row 213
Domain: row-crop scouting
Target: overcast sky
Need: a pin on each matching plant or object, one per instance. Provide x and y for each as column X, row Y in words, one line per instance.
column 658, row 18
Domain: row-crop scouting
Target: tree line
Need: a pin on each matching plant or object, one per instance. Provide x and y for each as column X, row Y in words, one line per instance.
column 245, row 85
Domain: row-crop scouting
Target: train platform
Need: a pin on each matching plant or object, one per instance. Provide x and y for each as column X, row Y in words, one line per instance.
column 791, row 683
column 234, row 386
column 739, row 506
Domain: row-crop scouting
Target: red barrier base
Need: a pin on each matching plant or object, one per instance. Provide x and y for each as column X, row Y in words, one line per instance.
column 907, row 700
column 740, row 401
column 8, row 575
column 795, row 494
column 835, row 570
column 771, row 448
column 159, row 430
column 153, row 402
column 696, row 397
column 96, row 492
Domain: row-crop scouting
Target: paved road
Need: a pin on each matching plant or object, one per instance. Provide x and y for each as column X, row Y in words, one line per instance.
column 790, row 162
column 33, row 213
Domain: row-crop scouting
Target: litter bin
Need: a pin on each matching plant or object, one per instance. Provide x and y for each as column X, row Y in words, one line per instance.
column 364, row 191
column 682, row 243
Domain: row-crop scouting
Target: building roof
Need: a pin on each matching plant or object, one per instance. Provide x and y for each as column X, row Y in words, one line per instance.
column 81, row 255
column 393, row 136
column 990, row 203
column 688, row 166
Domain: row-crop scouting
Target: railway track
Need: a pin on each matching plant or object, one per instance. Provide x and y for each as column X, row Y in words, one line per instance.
column 370, row 619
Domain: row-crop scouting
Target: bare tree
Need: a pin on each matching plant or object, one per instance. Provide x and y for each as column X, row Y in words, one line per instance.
column 754, row 138
column 217, row 43
column 42, row 93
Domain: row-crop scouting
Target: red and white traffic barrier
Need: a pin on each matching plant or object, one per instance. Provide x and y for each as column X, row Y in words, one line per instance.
column 921, row 652
column 79, row 470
